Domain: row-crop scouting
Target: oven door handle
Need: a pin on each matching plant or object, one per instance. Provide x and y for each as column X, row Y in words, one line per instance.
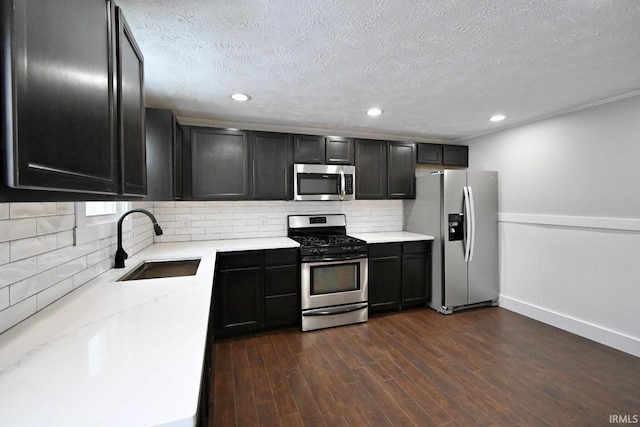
column 335, row 310
column 323, row 258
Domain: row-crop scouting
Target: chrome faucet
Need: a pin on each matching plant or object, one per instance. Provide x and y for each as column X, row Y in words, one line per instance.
column 121, row 255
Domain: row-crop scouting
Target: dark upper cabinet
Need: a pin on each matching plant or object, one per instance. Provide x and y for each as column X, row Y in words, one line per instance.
column 339, row 151
column 371, row 169
column 429, row 154
column 443, row 155
column 131, row 110
column 272, row 160
column 220, row 164
column 401, row 170
column 64, row 119
column 308, row 149
column 455, row 155
column 385, row 170
column 161, row 148
column 329, row 150
column 59, row 111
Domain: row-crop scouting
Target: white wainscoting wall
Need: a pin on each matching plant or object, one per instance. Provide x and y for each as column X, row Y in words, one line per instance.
column 579, row 274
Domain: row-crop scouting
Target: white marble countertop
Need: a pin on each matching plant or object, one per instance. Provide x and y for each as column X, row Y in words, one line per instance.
column 391, row 236
column 116, row 353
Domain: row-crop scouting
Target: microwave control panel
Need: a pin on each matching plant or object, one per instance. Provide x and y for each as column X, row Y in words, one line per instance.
column 348, row 184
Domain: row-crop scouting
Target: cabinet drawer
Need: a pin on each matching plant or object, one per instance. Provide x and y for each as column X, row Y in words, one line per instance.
column 416, row 247
column 281, row 310
column 280, row 280
column 378, row 250
column 226, row 261
column 281, row 256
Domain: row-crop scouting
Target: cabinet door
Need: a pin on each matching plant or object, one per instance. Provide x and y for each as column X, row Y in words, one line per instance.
column 371, row 169
column 429, row 154
column 160, row 136
column 220, row 168
column 308, row 149
column 281, row 285
column 60, row 128
column 272, row 162
column 455, row 155
column 384, row 283
column 401, row 170
column 416, row 274
column 130, row 101
column 241, row 300
column 339, row 151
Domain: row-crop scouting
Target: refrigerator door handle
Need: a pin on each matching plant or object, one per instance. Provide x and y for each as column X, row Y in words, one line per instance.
column 472, row 243
column 467, row 224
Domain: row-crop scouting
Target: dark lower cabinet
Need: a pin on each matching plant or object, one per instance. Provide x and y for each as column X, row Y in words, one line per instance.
column 399, row 275
column 256, row 290
column 385, row 277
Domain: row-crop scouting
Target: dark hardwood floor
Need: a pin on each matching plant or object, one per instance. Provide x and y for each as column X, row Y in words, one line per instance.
column 487, row 366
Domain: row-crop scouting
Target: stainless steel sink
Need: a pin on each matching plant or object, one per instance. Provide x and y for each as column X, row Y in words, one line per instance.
column 160, row 269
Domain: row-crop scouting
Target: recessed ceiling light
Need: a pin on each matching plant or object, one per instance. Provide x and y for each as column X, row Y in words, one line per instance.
column 374, row 112
column 240, row 97
column 497, row 117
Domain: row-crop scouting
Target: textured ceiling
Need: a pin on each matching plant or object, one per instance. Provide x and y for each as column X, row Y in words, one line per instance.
column 437, row 68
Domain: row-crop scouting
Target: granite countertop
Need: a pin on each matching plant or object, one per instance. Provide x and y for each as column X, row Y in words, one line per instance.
column 117, row 353
column 391, row 236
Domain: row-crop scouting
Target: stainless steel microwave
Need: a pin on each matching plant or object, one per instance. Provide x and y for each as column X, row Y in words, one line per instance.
column 323, row 182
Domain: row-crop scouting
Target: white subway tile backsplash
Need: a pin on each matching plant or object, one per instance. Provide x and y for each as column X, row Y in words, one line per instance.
column 65, row 238
column 32, row 209
column 4, row 211
column 39, row 262
column 31, row 286
column 4, row 253
column 66, row 208
column 14, row 229
column 51, row 259
column 54, row 224
column 16, row 313
column 16, row 271
column 53, row 293
column 25, row 248
column 4, row 298
column 70, row 268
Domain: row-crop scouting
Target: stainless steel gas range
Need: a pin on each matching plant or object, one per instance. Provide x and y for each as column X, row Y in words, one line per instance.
column 334, row 281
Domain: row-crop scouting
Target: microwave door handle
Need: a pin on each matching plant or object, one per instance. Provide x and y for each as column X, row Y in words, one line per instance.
column 343, row 190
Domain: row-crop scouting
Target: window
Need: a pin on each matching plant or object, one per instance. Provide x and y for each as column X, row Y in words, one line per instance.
column 97, row 220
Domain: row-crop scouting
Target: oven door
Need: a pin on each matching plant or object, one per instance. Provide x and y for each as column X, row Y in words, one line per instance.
column 334, row 283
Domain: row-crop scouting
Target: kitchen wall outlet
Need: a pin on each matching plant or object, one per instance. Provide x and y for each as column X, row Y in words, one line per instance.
column 185, row 224
column 263, row 221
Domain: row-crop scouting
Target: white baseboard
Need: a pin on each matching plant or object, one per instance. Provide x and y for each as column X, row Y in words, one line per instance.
column 590, row 331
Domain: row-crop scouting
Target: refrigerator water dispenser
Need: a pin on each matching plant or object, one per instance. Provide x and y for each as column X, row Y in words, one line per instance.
column 456, row 226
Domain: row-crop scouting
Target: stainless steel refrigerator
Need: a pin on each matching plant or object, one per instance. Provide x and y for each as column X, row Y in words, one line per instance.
column 460, row 209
